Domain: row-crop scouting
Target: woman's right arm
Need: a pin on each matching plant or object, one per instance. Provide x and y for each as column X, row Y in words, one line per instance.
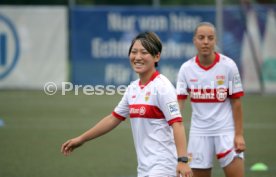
column 102, row 127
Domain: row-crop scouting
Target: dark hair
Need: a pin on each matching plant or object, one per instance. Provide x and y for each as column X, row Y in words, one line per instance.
column 150, row 41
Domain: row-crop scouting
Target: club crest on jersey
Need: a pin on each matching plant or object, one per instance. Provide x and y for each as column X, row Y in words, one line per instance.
column 220, row 79
column 147, row 96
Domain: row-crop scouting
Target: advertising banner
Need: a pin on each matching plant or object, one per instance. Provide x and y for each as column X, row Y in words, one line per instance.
column 100, row 39
column 33, row 46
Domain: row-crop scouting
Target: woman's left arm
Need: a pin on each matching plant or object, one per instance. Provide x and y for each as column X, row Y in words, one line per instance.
column 181, row 147
column 239, row 141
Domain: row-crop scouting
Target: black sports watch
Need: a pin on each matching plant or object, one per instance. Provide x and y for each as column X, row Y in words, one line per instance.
column 183, row 159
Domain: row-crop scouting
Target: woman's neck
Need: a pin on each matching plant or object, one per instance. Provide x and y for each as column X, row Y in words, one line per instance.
column 207, row 60
column 145, row 77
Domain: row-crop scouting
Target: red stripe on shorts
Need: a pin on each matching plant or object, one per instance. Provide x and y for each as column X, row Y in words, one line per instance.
column 223, row 154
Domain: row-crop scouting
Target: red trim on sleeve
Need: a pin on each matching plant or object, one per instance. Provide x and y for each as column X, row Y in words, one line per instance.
column 223, row 154
column 237, row 95
column 182, row 97
column 177, row 119
column 118, row 116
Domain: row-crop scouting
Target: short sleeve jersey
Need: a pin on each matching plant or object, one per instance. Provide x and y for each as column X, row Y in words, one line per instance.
column 152, row 108
column 210, row 89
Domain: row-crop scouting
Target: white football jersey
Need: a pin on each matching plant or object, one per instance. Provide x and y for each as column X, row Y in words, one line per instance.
column 152, row 109
column 210, row 89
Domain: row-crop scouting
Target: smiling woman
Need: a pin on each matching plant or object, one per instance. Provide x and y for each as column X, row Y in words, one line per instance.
column 144, row 53
column 156, row 122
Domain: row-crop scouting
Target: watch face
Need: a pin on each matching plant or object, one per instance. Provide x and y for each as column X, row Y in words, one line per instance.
column 183, row 159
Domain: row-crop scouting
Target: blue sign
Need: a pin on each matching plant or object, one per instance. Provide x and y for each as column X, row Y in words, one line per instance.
column 100, row 39
column 9, row 47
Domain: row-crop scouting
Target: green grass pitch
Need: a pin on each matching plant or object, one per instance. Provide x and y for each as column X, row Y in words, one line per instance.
column 35, row 125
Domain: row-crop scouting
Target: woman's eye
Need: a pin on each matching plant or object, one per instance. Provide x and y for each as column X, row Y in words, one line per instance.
column 133, row 52
column 200, row 37
column 211, row 38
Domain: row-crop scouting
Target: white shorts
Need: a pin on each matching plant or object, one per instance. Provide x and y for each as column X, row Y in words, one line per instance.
column 202, row 149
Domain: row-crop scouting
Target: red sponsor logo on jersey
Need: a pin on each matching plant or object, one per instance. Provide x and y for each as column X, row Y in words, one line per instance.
column 208, row 95
column 199, row 94
column 141, row 111
column 193, row 80
column 134, row 111
column 145, row 111
column 221, row 94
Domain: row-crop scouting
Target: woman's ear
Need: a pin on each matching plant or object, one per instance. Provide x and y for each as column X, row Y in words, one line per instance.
column 157, row 57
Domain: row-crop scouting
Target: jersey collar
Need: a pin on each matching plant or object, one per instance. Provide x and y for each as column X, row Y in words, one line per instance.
column 212, row 65
column 154, row 75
